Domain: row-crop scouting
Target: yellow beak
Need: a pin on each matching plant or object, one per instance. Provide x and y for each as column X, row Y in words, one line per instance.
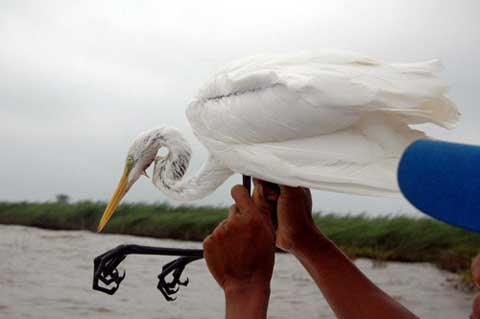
column 114, row 201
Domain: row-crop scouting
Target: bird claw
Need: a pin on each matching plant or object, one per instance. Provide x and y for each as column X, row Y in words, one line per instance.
column 105, row 270
column 107, row 278
column 174, row 268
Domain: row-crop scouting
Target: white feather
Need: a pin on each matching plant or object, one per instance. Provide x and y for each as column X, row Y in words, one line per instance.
column 331, row 120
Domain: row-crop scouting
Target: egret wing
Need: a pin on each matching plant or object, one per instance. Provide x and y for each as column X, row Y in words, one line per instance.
column 331, row 120
column 361, row 159
column 273, row 98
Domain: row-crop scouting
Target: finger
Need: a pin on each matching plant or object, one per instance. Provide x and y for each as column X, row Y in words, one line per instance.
column 308, row 194
column 221, row 230
column 207, row 242
column 235, row 218
column 210, row 246
column 233, row 211
column 212, row 255
column 242, row 199
column 270, row 191
column 264, row 206
column 288, row 191
column 258, row 186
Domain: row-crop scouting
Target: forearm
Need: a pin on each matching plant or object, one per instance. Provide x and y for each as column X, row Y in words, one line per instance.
column 348, row 291
column 247, row 302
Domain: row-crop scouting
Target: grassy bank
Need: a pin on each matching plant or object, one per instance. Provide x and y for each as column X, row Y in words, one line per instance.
column 384, row 238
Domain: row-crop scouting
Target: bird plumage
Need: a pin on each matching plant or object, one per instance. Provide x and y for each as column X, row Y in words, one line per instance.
column 330, row 120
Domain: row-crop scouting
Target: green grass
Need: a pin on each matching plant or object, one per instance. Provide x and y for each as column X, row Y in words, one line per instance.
column 383, row 238
column 154, row 220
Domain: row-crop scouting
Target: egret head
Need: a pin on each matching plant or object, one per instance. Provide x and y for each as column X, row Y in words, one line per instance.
column 140, row 156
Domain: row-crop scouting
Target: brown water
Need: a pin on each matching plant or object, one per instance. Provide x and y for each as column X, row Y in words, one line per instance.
column 47, row 274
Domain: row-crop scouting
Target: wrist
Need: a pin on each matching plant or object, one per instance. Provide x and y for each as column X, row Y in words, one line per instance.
column 247, row 300
column 237, row 290
column 311, row 239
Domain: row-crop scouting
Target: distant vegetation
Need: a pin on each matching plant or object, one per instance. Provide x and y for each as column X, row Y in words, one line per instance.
column 383, row 238
column 62, row 198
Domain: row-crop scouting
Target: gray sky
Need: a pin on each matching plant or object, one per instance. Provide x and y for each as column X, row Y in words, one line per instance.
column 80, row 79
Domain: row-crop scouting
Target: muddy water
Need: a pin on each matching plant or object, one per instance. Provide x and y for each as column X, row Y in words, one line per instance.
column 47, row 274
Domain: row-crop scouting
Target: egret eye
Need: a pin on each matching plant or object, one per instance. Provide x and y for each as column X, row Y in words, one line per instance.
column 162, row 152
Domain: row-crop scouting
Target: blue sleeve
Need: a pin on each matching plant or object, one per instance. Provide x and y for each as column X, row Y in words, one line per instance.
column 442, row 180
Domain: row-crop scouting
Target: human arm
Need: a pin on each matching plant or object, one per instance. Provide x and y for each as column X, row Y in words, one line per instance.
column 240, row 255
column 348, row 291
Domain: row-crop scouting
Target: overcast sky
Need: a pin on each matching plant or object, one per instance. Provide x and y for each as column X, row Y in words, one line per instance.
column 80, row 79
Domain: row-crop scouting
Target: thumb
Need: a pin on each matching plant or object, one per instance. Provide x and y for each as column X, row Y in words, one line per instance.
column 262, row 198
column 242, row 199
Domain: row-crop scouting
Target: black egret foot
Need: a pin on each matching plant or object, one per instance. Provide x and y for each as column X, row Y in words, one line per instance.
column 175, row 269
column 105, row 270
column 107, row 278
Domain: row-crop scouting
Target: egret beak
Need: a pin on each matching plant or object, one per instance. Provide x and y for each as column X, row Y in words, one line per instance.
column 117, row 196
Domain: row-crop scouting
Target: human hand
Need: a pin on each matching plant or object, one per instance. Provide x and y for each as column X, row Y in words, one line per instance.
column 333, row 272
column 240, row 251
column 296, row 227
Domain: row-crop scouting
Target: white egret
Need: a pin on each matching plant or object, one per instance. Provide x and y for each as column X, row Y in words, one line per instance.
column 330, row 120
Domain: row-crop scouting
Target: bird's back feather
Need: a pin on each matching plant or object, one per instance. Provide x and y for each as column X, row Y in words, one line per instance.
column 331, row 120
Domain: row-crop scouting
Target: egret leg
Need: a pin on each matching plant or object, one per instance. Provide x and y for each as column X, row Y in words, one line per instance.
column 247, row 183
